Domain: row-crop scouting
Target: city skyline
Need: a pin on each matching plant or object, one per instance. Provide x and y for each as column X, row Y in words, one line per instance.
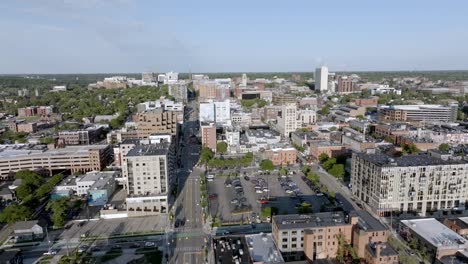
column 133, row 36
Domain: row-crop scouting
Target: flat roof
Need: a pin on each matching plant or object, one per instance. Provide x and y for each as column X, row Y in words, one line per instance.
column 149, row 150
column 262, row 248
column 436, row 233
column 297, row 221
column 385, row 249
column 17, row 150
column 407, row 160
column 367, row 222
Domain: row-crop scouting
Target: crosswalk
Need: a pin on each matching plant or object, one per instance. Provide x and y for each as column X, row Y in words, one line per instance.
column 188, row 249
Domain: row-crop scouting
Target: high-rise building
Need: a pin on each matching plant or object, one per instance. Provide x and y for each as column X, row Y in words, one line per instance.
column 148, row 170
column 178, row 90
column 346, row 85
column 321, row 79
column 208, row 135
column 412, row 183
column 287, row 120
column 147, row 77
column 216, row 111
column 244, row 80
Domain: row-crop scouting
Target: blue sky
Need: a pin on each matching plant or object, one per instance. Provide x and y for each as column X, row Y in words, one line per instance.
column 86, row 36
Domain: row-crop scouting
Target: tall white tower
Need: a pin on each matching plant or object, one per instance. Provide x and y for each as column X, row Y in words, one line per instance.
column 321, row 79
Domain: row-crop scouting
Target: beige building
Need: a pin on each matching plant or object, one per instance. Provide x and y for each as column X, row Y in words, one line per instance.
column 74, row 158
column 424, row 113
column 409, row 183
column 156, row 121
column 286, row 122
column 316, row 236
column 148, row 170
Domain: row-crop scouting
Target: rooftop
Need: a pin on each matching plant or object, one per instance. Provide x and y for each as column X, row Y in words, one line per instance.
column 22, row 225
column 435, row 233
column 367, row 222
column 407, row 161
column 296, row 221
column 17, row 150
column 149, row 150
column 263, row 249
column 385, row 249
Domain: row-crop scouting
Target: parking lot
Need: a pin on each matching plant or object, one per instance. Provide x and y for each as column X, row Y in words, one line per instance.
column 112, row 227
column 236, row 199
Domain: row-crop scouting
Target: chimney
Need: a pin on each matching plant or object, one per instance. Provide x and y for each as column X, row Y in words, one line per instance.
column 377, row 249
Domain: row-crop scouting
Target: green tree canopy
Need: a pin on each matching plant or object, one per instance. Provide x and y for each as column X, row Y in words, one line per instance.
column 269, row 211
column 206, row 155
column 338, row 171
column 59, row 209
column 323, row 157
column 329, row 164
column 221, row 147
column 15, row 213
column 267, row 165
column 444, row 147
column 410, row 149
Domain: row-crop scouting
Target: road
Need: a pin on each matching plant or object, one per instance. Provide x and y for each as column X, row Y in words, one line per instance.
column 188, row 239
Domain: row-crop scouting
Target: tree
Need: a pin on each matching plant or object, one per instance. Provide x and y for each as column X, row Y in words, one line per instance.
column 323, row 157
column 329, row 164
column 29, row 177
column 221, row 147
column 59, row 208
column 283, row 171
column 269, row 211
column 23, row 191
column 444, row 147
column 47, row 140
column 304, row 208
column 338, row 171
column 306, row 169
column 314, row 178
column 14, row 213
column 267, row 165
column 410, row 149
column 206, row 155
column 44, row 190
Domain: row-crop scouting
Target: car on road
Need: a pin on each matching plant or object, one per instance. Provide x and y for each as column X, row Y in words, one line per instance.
column 82, row 248
column 319, row 194
column 50, row 252
column 259, row 191
column 150, row 244
column 246, row 178
column 234, row 201
column 95, row 249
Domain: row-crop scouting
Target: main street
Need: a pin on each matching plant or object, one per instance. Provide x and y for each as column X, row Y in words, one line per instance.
column 189, row 238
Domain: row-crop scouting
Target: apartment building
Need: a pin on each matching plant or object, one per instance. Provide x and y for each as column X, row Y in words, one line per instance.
column 157, row 121
column 287, row 122
column 418, row 183
column 367, row 102
column 34, row 111
column 213, row 90
column 208, row 135
column 218, row 112
column 283, row 98
column 178, row 90
column 34, row 157
column 316, row 236
column 327, row 147
column 419, row 113
column 346, row 85
column 148, row 170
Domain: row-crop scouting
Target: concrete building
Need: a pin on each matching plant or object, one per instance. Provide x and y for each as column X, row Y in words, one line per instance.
column 357, row 141
column 346, row 85
column 59, row 88
column 178, row 90
column 241, row 119
column 286, row 122
column 262, row 249
column 316, row 236
column 283, row 98
column 157, row 121
column 321, row 79
column 86, row 136
column 213, row 89
column 409, row 183
column 147, row 77
column 74, row 158
column 208, row 135
column 34, row 111
column 433, row 237
column 218, row 112
column 97, row 186
column 420, row 113
column 281, row 156
column 384, row 89
column 149, row 172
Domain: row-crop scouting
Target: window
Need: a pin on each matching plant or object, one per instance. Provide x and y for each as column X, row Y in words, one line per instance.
column 285, row 240
column 294, row 239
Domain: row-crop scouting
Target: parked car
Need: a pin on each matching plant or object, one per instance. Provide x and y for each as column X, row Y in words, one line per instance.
column 149, row 244
column 50, row 252
column 246, row 178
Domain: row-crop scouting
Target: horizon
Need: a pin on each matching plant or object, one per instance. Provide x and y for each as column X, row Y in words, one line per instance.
column 63, row 37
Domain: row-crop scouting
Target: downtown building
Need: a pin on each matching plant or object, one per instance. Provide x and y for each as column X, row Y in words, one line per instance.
column 18, row 157
column 413, row 183
column 149, row 174
column 316, row 236
column 418, row 113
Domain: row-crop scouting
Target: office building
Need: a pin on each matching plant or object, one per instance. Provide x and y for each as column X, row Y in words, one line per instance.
column 149, row 170
column 178, row 90
column 411, row 183
column 213, row 89
column 86, row 136
column 218, row 112
column 35, row 157
column 156, row 121
column 98, row 186
column 321, row 79
column 286, row 122
column 419, row 113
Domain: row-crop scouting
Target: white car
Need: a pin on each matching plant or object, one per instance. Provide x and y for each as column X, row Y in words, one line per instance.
column 258, row 191
column 319, row 194
column 149, row 244
column 50, row 253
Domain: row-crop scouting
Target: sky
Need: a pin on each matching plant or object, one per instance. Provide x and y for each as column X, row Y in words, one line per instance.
column 104, row 36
